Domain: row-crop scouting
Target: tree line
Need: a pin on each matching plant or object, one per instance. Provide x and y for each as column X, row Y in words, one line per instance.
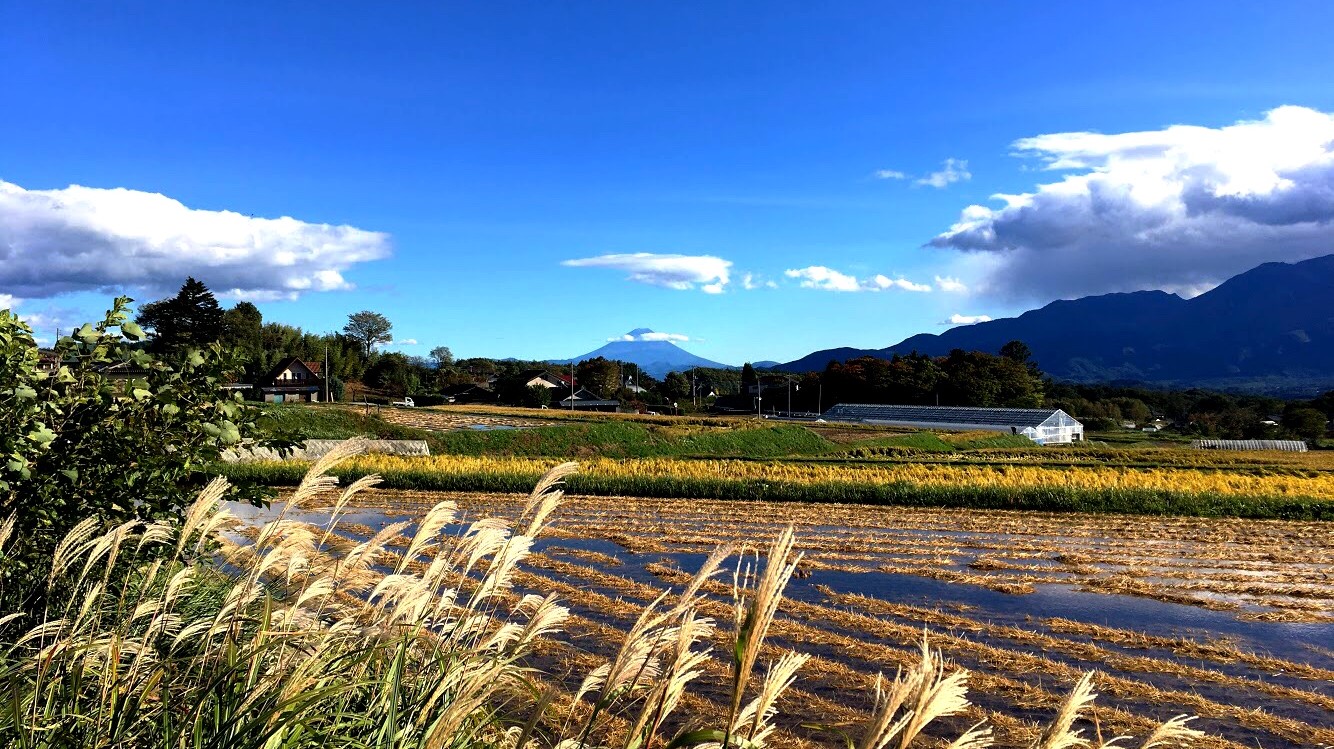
column 1008, row 378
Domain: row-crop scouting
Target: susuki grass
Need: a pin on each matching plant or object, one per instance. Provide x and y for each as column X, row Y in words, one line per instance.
column 306, row 638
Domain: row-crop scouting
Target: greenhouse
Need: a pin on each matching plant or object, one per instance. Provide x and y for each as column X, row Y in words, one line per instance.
column 1042, row 425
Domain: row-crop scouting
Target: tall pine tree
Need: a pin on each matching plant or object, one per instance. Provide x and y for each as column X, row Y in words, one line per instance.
column 191, row 318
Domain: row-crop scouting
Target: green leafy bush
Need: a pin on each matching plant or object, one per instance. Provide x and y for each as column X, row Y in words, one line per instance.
column 100, row 428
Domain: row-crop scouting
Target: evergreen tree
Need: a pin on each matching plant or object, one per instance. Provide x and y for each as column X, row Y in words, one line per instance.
column 191, row 318
column 748, row 376
column 241, row 326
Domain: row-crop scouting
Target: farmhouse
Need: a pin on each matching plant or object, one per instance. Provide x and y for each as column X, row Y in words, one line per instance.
column 543, row 378
column 292, row 381
column 1042, row 425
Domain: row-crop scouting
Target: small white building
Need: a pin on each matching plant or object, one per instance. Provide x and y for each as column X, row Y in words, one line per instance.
column 1045, row 426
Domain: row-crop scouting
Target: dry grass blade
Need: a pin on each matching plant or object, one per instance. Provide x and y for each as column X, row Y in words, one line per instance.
column 7, row 529
column 545, row 496
column 754, row 618
column 1059, row 734
column 1174, row 732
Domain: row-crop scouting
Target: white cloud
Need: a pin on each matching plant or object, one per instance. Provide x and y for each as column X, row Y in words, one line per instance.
column 406, row 342
column 751, row 281
column 951, row 284
column 92, row 239
column 9, row 301
column 681, row 272
column 885, row 282
column 889, row 174
column 828, row 279
column 957, row 319
column 1180, row 209
column 652, row 336
column 951, row 171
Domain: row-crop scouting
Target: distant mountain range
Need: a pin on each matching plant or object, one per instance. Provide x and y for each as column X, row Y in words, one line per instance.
column 656, row 357
column 1268, row 329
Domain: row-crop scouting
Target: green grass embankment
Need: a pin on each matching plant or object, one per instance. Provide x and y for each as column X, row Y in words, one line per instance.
column 624, row 439
column 611, row 438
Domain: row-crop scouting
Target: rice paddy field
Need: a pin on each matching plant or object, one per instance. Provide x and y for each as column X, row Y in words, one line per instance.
column 1225, row 618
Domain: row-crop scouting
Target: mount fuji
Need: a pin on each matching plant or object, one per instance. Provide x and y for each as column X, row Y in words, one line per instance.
column 654, row 353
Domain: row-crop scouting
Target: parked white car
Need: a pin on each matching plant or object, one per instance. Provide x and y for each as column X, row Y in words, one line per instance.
column 406, row 403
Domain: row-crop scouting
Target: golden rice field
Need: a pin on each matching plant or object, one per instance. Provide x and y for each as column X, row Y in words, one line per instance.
column 1312, row 484
column 1230, row 620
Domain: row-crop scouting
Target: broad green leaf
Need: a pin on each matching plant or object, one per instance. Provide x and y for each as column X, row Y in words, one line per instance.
column 41, row 435
column 132, row 330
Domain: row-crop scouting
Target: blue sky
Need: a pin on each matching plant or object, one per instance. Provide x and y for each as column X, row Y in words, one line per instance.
column 826, row 156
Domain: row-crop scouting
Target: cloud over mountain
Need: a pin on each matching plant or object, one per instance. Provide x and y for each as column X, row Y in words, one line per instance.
column 1179, row 209
column 681, row 272
column 957, row 319
column 644, row 334
column 87, row 239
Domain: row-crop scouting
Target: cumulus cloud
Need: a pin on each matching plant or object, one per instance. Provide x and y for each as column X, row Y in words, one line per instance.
column 650, row 335
column 93, row 239
column 951, row 171
column 951, row 284
column 828, row 279
column 889, row 174
column 406, row 342
column 1180, row 209
column 681, row 272
column 957, row 319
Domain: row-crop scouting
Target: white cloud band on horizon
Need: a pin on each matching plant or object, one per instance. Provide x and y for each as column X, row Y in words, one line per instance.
column 828, row 279
column 652, row 336
column 1180, row 209
column 680, row 272
column 957, row 319
column 93, row 239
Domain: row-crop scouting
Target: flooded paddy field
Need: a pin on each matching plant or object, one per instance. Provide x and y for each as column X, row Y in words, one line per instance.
column 1230, row 620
